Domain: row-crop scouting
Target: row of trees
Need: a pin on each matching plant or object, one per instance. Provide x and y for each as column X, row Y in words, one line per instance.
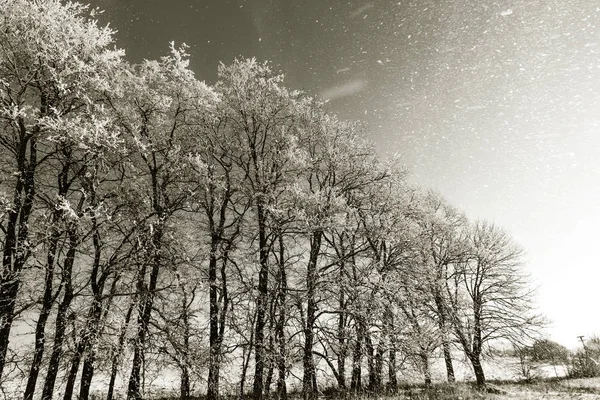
column 151, row 220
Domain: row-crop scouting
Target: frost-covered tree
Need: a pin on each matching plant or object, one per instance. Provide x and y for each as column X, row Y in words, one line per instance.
column 55, row 62
column 263, row 114
column 163, row 98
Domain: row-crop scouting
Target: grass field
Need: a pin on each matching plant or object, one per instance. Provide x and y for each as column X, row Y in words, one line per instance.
column 583, row 389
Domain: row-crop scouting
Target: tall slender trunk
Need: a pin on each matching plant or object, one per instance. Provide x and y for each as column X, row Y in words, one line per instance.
column 73, row 370
column 184, row 384
column 356, row 379
column 16, row 250
column 212, row 391
column 62, row 315
column 392, row 367
column 272, row 355
column 87, row 374
column 144, row 314
column 392, row 370
column 475, row 354
column 309, row 387
column 426, row 368
column 261, row 305
column 370, row 359
column 95, row 313
column 448, row 359
column 270, row 366
column 47, row 302
column 477, row 369
column 342, row 338
column 443, row 325
column 280, row 325
column 378, row 370
column 246, row 358
column 117, row 354
column 92, row 325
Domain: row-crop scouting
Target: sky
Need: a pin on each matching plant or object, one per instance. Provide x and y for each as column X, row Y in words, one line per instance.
column 495, row 104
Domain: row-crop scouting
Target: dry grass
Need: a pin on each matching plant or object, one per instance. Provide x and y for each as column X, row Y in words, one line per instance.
column 581, row 389
column 557, row 389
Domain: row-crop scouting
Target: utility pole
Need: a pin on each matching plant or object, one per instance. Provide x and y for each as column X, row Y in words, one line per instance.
column 583, row 343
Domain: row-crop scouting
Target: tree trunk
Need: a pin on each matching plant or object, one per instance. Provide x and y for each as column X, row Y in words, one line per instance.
column 392, row 368
column 61, row 317
column 270, row 368
column 271, row 361
column 356, row 379
column 392, row 371
column 475, row 354
column 370, row 360
column 212, row 391
column 477, row 369
column 443, row 325
column 246, row 360
column 16, row 250
column 309, row 387
column 342, row 333
column 185, row 363
column 145, row 312
column 95, row 314
column 218, row 316
column 448, row 359
column 89, row 336
column 184, row 387
column 426, row 370
column 72, row 374
column 115, row 357
column 47, row 302
column 261, row 305
column 377, row 381
column 280, row 324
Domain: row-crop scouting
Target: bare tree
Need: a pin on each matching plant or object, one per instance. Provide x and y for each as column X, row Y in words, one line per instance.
column 490, row 298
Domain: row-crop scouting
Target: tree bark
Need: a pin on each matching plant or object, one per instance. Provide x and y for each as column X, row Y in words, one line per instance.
column 144, row 314
column 426, row 369
column 392, row 370
column 115, row 357
column 309, row 387
column 16, row 250
column 47, row 302
column 443, row 325
column 477, row 369
column 246, row 360
column 370, row 359
column 212, row 391
column 342, row 338
column 261, row 305
column 62, row 315
column 378, row 371
column 392, row 367
column 184, row 387
column 356, row 379
column 280, row 324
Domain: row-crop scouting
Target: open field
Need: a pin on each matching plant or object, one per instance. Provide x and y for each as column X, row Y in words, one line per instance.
column 584, row 389
column 580, row 389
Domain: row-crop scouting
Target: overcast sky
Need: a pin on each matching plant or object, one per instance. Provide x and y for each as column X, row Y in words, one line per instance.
column 496, row 104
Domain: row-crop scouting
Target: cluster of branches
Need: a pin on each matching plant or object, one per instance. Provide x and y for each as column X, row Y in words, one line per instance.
column 151, row 222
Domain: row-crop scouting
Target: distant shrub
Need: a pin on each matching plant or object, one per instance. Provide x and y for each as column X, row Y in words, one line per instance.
column 582, row 366
column 547, row 351
column 585, row 362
